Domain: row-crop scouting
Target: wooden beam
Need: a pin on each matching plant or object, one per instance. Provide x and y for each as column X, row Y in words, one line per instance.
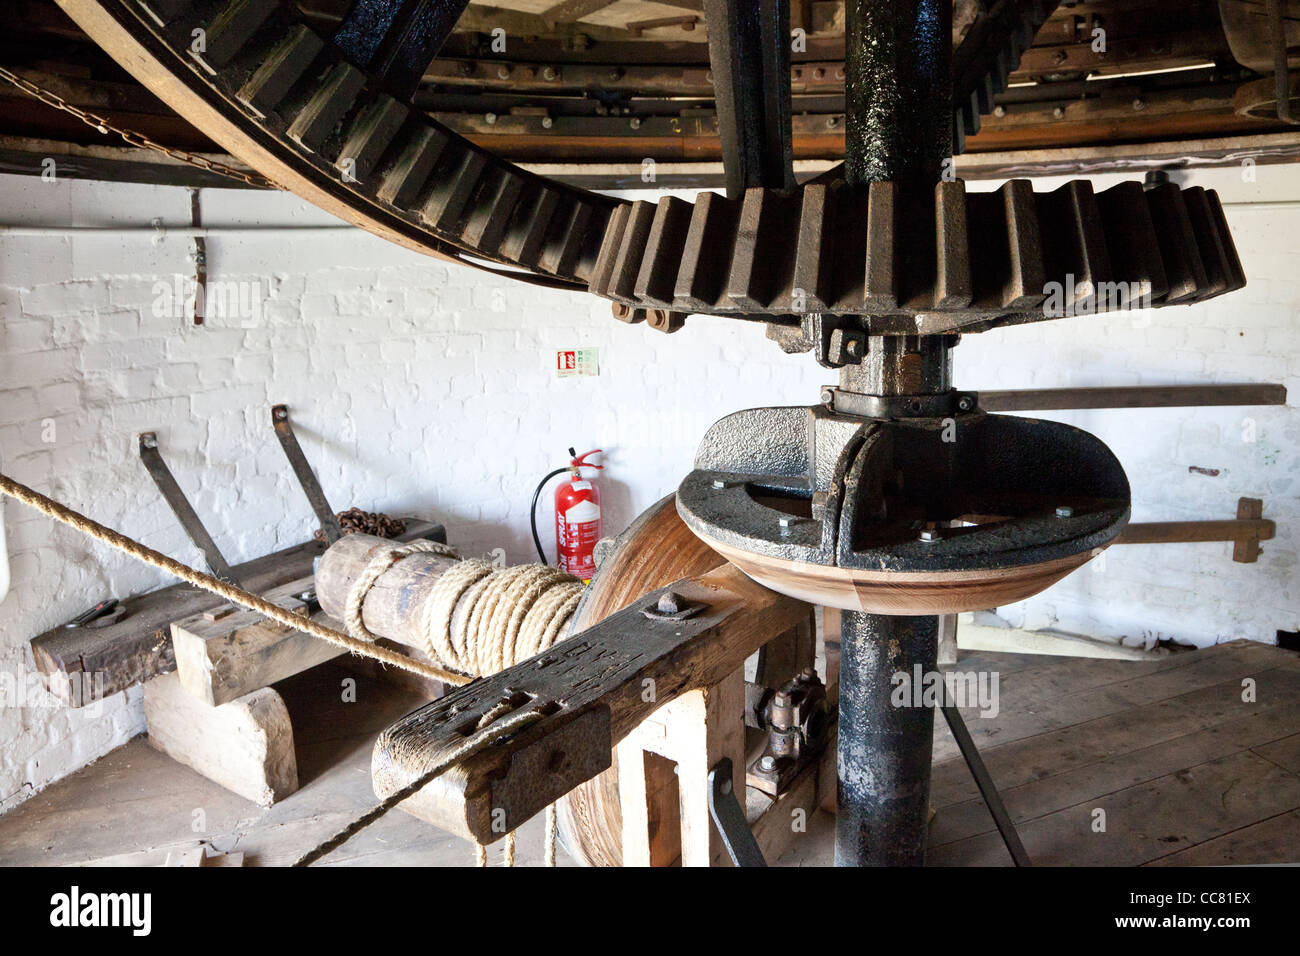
column 83, row 664
column 219, row 661
column 590, row 691
column 1246, row 532
column 1154, row 396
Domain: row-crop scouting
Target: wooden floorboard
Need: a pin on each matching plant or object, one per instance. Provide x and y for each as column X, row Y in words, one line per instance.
column 1186, row 771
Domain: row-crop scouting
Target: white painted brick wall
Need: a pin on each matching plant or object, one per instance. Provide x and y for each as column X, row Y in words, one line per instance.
column 422, row 388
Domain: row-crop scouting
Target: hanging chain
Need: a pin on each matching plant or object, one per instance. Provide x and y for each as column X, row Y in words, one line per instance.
column 131, row 137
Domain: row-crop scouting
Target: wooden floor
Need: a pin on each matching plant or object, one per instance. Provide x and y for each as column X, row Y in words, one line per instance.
column 1186, row 772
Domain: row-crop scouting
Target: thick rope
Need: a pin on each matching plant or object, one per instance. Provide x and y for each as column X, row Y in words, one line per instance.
column 229, row 592
column 376, row 569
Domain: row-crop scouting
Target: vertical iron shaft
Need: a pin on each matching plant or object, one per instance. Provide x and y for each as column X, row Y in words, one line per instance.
column 898, row 91
column 884, row 747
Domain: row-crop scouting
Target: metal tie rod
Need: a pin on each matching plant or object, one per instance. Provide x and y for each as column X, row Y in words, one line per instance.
column 180, row 505
column 302, row 471
column 729, row 818
column 988, row 790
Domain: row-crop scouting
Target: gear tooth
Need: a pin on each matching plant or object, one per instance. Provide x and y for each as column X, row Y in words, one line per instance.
column 410, row 171
column 1236, row 274
column 1177, row 244
column 564, row 256
column 958, row 133
column 811, row 247
column 371, row 134
column 609, row 247
column 952, row 285
column 1213, row 255
column 1075, row 250
column 445, row 207
column 627, row 264
column 880, row 283
column 283, row 67
column 327, row 107
column 228, row 30
column 528, row 226
column 1132, row 243
column 487, row 225
column 973, row 122
column 664, row 246
column 749, row 276
column 705, row 256
column 1026, row 275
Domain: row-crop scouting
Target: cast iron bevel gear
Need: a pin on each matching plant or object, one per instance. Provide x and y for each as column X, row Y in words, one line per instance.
column 987, row 259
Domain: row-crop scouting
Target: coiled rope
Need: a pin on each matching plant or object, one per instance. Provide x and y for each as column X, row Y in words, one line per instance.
column 506, row 615
column 511, row 614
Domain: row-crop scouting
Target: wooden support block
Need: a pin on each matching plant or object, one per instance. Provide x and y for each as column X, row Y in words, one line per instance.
column 220, row 661
column 1245, row 550
column 691, row 733
column 245, row 745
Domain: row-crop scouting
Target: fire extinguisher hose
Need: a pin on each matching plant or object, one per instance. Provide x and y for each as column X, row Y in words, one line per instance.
column 532, row 512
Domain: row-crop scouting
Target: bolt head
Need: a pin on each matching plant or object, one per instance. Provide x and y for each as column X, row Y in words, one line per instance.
column 549, row 73
column 999, row 111
column 767, row 763
column 828, row 396
column 670, row 602
column 490, row 118
column 966, row 403
column 547, row 122
column 929, row 534
column 1064, row 511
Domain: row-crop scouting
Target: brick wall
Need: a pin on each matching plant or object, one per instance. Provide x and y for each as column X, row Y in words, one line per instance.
column 422, row 388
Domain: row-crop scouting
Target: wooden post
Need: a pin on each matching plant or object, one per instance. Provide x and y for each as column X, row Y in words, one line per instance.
column 694, row 732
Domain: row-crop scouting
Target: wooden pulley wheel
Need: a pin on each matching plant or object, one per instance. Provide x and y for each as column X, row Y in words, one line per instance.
column 656, row 550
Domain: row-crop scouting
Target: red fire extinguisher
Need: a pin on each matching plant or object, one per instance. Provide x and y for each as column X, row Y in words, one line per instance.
column 577, row 517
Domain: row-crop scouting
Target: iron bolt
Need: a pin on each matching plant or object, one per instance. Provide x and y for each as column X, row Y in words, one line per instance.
column 550, row 73
column 634, row 122
column 828, row 396
column 1139, row 105
column 832, row 121
column 789, row 521
column 503, row 72
column 547, row 122
column 490, row 118
column 670, row 602
column 965, row 403
column 1059, row 112
column 767, row 763
column 781, row 699
column 1064, row 511
column 929, row 534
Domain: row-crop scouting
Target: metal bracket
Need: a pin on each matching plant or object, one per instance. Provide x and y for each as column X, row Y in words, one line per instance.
column 181, row 507
column 302, row 471
column 729, row 818
column 200, row 256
